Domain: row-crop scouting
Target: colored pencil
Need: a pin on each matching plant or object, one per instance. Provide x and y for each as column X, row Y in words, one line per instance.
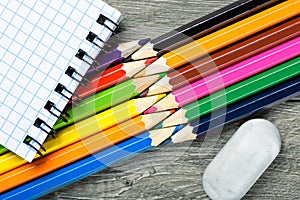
column 167, row 128
column 201, row 27
column 238, row 7
column 229, row 76
column 264, row 99
column 143, row 142
column 217, row 19
column 106, row 79
column 110, row 77
column 249, row 47
column 234, row 93
column 89, row 165
column 85, row 128
column 175, row 80
column 118, row 53
column 3, row 150
column 224, row 37
column 106, row 99
column 80, row 149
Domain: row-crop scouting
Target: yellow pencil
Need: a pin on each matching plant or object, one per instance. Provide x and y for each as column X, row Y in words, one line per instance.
column 86, row 128
column 80, row 149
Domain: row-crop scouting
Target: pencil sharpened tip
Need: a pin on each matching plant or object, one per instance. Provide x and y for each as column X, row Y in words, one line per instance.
column 128, row 59
column 150, row 60
column 172, row 111
column 166, row 142
column 144, row 41
column 144, row 94
column 150, row 110
column 145, row 52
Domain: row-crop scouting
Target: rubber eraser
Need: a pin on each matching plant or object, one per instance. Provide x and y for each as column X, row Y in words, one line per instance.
column 242, row 160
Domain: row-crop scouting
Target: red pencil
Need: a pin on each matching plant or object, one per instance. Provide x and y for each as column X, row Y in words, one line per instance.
column 111, row 76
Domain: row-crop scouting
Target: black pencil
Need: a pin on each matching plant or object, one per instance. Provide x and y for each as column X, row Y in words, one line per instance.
column 203, row 26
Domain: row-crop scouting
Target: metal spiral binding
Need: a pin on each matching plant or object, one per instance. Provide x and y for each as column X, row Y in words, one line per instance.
column 84, row 56
column 101, row 20
column 39, row 124
column 63, row 91
column 27, row 141
column 50, row 106
column 71, row 71
column 60, row 88
column 92, row 37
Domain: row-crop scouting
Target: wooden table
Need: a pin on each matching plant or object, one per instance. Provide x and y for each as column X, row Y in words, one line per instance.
column 175, row 171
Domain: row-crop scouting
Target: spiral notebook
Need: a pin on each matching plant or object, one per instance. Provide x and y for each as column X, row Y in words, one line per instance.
column 45, row 49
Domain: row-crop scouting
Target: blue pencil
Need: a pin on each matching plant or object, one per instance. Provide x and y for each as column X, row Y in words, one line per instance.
column 149, row 140
column 89, row 165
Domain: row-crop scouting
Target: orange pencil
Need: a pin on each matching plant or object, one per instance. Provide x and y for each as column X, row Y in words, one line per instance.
column 80, row 149
column 85, row 129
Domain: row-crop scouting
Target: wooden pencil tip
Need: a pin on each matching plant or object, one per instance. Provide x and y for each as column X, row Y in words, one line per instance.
column 140, row 74
column 161, row 86
column 145, row 52
column 160, row 135
column 144, row 103
column 159, row 66
column 144, row 83
column 167, row 103
column 175, row 119
column 153, row 119
column 129, row 48
column 157, row 89
column 134, row 67
column 185, row 134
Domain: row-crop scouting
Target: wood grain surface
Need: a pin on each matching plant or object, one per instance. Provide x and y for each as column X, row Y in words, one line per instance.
column 175, row 171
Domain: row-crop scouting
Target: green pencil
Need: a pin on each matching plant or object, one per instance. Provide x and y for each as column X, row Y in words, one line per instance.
column 106, row 99
column 3, row 150
column 234, row 93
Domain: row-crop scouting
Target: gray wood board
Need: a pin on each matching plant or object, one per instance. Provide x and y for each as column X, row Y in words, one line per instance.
column 175, row 171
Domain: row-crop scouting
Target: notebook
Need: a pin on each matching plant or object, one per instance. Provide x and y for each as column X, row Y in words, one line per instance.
column 46, row 46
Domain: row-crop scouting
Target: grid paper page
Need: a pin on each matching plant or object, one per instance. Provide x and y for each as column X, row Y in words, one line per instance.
column 38, row 41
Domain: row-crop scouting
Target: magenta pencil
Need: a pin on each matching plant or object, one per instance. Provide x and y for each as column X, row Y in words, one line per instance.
column 229, row 76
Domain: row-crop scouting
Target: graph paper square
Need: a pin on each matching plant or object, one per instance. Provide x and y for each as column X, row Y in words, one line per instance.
column 38, row 41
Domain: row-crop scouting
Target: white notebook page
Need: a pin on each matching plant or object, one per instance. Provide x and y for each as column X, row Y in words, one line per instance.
column 38, row 41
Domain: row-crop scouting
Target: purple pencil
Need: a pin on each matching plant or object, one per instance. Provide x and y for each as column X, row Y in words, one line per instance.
column 116, row 54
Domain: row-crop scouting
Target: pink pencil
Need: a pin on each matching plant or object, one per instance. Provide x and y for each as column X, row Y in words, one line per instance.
column 229, row 76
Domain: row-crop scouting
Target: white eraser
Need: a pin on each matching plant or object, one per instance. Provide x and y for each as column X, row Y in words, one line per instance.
column 242, row 160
